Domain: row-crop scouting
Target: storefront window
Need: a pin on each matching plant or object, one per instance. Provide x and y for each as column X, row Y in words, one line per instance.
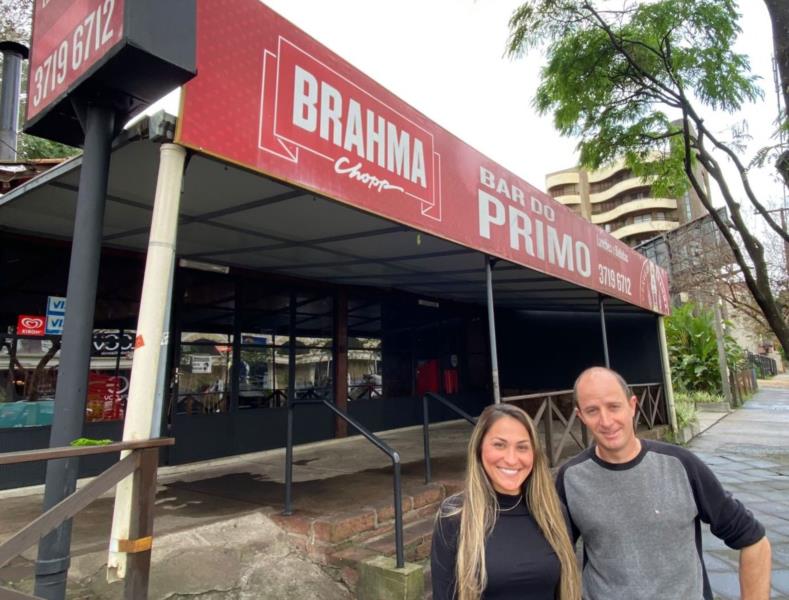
column 263, row 372
column 29, row 379
column 110, row 372
column 364, row 369
column 29, row 371
column 313, row 367
column 204, row 373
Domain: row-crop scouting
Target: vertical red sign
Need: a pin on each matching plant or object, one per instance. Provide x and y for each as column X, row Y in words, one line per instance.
column 30, row 325
column 69, row 37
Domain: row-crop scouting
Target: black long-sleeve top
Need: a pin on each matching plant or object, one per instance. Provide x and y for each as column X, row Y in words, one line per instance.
column 521, row 565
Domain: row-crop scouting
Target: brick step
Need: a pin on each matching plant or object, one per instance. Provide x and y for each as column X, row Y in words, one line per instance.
column 417, row 536
column 416, row 539
column 341, row 541
column 339, row 528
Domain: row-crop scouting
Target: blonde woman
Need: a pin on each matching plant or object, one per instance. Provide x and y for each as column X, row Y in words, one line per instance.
column 505, row 536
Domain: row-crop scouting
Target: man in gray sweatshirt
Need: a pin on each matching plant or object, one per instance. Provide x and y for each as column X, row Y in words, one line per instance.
column 638, row 506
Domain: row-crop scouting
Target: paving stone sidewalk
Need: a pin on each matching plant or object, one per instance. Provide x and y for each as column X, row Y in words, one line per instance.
column 749, row 452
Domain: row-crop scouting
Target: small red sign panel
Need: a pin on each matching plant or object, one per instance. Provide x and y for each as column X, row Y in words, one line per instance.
column 69, row 37
column 296, row 111
column 31, row 325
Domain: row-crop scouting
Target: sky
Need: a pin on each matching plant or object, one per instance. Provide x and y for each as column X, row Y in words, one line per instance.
column 446, row 59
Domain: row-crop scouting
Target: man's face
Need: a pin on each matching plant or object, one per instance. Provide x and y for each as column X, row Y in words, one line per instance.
column 608, row 413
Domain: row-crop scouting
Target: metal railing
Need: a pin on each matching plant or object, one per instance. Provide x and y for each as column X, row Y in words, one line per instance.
column 142, row 463
column 393, row 455
column 426, row 425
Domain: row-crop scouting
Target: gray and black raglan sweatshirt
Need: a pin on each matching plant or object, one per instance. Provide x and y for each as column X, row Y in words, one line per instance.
column 640, row 522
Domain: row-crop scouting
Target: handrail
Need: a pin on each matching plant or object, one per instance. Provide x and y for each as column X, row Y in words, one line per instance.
column 141, row 463
column 426, row 426
column 23, row 456
column 373, row 439
column 535, row 395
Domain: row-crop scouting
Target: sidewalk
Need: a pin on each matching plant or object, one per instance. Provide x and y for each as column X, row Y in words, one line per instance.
column 748, row 450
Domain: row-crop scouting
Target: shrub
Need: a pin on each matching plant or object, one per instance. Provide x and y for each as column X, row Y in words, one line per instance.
column 685, row 409
column 693, row 350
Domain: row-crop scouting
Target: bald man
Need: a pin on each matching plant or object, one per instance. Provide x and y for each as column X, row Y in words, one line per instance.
column 638, row 506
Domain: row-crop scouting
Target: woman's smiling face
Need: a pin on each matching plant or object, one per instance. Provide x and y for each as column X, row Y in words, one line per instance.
column 507, row 455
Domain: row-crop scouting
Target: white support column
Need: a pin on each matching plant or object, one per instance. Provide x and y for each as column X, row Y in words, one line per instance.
column 150, row 329
column 668, row 389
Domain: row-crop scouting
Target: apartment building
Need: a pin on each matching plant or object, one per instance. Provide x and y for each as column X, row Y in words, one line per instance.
column 621, row 203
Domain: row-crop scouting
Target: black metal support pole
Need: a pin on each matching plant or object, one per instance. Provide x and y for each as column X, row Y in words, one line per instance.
column 13, row 55
column 71, row 391
column 605, row 334
column 398, row 509
column 494, row 359
column 291, row 407
column 426, row 438
column 289, row 463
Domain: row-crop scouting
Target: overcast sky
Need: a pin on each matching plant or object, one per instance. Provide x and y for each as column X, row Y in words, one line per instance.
column 446, row 59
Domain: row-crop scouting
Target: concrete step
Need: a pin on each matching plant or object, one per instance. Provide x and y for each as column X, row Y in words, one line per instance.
column 355, row 541
column 428, row 580
column 716, row 407
column 417, row 536
column 659, row 433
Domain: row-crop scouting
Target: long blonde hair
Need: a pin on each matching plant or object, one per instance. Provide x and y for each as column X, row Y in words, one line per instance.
column 478, row 507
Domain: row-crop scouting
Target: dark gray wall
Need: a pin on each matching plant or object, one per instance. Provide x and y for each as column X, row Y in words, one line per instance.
column 546, row 350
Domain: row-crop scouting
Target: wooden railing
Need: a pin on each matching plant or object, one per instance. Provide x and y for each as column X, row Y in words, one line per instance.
column 554, row 412
column 141, row 463
column 550, row 406
column 651, row 407
column 743, row 384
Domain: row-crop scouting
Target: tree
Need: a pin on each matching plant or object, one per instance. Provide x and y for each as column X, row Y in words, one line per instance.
column 15, row 18
column 632, row 83
column 702, row 268
column 779, row 16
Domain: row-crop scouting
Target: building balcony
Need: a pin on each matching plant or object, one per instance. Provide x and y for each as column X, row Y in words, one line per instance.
column 640, row 205
column 651, row 227
column 605, row 173
column 562, row 178
column 568, row 199
column 631, row 183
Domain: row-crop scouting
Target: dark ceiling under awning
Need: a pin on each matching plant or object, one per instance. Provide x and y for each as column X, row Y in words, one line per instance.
column 230, row 216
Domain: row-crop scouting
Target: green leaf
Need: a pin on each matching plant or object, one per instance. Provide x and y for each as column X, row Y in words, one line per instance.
column 90, row 442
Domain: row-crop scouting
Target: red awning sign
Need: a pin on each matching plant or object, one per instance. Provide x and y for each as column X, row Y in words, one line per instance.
column 301, row 114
